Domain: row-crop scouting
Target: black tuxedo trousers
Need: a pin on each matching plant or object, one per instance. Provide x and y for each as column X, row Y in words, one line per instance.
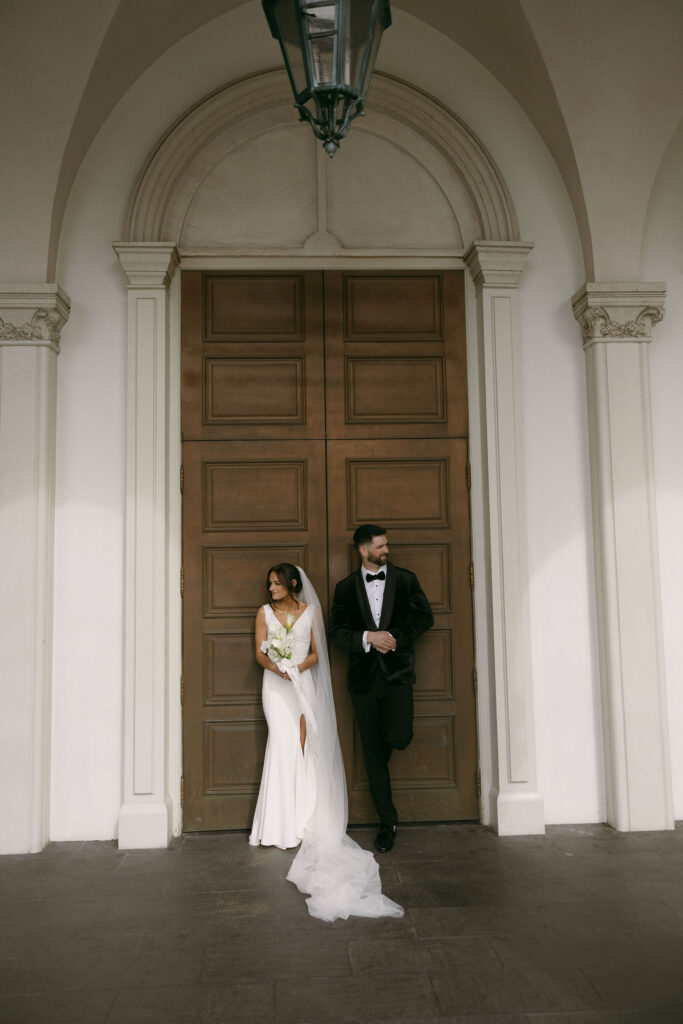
column 381, row 685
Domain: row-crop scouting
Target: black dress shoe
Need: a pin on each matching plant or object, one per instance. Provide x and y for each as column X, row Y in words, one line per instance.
column 384, row 839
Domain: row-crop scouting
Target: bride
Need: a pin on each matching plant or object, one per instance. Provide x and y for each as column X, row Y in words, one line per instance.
column 302, row 797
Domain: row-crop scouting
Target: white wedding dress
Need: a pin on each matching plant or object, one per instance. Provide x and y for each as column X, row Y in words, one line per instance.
column 287, row 794
column 303, row 793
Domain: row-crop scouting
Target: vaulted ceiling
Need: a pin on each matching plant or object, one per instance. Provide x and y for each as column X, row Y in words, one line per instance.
column 601, row 80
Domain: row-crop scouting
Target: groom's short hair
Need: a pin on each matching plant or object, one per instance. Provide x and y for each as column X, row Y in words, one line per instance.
column 365, row 533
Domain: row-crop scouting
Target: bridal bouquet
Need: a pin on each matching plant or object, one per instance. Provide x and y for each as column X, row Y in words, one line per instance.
column 279, row 646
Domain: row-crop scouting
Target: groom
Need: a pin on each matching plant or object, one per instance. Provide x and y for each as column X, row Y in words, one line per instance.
column 377, row 613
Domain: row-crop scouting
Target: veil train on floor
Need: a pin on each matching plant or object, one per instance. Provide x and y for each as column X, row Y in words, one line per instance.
column 340, row 877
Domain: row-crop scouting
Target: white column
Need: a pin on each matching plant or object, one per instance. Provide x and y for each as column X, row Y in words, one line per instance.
column 515, row 804
column 31, row 318
column 617, row 322
column 145, row 818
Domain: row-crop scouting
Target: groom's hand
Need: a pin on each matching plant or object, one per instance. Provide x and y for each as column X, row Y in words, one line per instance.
column 382, row 641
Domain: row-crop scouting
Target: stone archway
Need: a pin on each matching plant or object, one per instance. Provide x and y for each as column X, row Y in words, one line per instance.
column 213, row 196
column 412, row 141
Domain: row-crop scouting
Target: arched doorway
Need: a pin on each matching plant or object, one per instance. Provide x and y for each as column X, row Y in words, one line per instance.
column 236, row 187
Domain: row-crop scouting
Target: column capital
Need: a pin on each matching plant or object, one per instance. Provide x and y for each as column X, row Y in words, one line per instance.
column 497, row 264
column 618, row 311
column 32, row 314
column 147, row 264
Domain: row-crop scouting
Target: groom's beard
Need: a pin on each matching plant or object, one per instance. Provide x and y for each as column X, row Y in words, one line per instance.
column 379, row 560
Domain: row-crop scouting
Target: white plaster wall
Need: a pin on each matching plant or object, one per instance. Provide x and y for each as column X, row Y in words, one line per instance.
column 91, row 419
column 663, row 261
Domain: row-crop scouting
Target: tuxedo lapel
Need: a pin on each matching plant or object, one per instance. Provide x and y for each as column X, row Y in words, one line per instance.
column 363, row 603
column 389, row 597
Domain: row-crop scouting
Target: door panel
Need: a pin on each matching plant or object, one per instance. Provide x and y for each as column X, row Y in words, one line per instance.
column 252, row 363
column 226, row 557
column 395, row 355
column 423, row 503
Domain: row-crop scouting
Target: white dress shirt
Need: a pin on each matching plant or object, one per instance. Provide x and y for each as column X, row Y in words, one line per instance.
column 375, row 591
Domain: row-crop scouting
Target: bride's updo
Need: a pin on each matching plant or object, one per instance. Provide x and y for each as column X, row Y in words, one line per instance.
column 288, row 576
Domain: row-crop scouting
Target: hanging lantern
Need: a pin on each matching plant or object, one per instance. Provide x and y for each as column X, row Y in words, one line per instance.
column 330, row 48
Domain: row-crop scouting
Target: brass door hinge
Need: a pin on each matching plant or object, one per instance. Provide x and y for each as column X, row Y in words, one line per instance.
column 182, row 791
column 475, row 682
column 182, row 581
column 182, row 479
column 182, row 691
column 468, row 470
column 471, row 575
column 477, row 779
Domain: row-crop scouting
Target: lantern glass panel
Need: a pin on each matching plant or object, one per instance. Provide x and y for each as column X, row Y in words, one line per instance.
column 321, row 25
column 371, row 58
column 290, row 34
column 356, row 40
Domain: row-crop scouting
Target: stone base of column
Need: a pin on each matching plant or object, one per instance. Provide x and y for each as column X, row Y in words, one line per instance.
column 144, row 826
column 517, row 814
column 652, row 818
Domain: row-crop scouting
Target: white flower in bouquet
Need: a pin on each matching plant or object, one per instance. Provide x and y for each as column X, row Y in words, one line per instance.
column 279, row 646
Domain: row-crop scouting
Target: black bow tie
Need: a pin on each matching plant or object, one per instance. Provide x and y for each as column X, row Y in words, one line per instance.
column 369, row 577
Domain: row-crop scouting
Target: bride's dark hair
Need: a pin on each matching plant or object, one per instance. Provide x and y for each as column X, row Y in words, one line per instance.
column 288, row 576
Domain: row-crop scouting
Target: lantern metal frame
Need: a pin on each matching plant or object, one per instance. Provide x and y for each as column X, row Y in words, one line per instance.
column 332, row 105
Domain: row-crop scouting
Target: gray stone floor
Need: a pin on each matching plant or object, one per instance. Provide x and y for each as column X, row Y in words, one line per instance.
column 582, row 926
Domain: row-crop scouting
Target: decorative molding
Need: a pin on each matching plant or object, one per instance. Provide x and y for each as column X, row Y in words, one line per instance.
column 260, row 104
column 516, row 805
column 618, row 312
column 464, row 151
column 45, row 326
column 147, row 265
column 497, row 264
column 46, row 305
column 145, row 816
column 597, row 321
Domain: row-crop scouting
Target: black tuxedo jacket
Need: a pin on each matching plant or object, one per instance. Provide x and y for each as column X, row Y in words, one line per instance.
column 405, row 614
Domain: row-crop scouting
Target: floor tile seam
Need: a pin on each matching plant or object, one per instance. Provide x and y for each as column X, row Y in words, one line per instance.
column 211, row 891
column 668, row 904
column 366, row 980
column 113, row 994
column 437, row 942
column 540, row 971
column 495, row 952
column 69, row 898
column 206, row 991
column 603, row 1004
column 610, row 903
column 212, row 956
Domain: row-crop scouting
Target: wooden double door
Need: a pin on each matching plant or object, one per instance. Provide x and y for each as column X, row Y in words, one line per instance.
column 312, row 403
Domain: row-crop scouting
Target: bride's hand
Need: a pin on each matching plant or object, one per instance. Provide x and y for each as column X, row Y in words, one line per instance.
column 278, row 672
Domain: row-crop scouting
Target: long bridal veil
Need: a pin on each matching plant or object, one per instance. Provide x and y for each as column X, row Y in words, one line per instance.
column 341, row 878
